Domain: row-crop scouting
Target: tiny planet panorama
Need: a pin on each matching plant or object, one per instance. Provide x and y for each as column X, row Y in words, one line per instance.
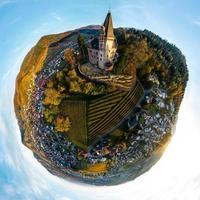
column 99, row 104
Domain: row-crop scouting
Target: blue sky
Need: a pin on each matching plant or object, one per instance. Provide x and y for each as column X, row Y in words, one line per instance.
column 23, row 22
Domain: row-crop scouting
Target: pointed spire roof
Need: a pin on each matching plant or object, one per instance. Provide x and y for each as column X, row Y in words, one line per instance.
column 108, row 24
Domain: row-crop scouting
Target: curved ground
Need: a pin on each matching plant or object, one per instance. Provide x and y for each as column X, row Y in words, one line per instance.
column 55, row 106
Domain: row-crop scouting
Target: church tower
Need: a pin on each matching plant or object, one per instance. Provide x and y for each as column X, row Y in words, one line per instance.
column 101, row 56
column 102, row 49
column 109, row 40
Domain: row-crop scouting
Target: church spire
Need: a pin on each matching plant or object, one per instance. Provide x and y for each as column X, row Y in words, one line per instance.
column 108, row 24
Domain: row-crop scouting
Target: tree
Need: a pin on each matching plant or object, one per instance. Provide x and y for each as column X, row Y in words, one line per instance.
column 80, row 40
column 74, row 86
column 139, row 52
column 50, row 112
column 132, row 56
column 72, row 74
column 50, row 83
column 52, row 97
column 48, row 115
column 98, row 89
column 88, row 87
column 121, row 37
column 69, row 57
column 62, row 123
column 83, row 48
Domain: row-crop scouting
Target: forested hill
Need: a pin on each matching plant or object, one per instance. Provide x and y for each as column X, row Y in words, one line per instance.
column 148, row 54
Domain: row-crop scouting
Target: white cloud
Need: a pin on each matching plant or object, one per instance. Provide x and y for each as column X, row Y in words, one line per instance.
column 196, row 22
column 8, row 189
column 5, row 2
column 57, row 17
column 64, row 198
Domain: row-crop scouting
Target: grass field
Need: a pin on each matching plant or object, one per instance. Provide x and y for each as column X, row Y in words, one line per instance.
column 97, row 168
column 76, row 110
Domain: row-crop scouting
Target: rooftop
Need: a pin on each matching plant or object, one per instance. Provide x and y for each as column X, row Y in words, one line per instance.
column 108, row 24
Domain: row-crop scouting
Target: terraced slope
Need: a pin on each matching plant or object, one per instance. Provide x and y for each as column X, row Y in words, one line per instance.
column 116, row 115
column 98, row 117
column 100, row 107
